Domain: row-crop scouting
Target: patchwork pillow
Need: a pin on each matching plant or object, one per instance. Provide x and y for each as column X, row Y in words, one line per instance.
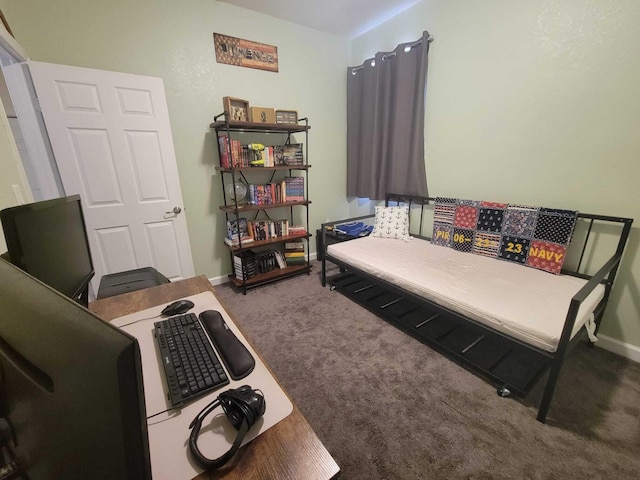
column 391, row 222
column 533, row 236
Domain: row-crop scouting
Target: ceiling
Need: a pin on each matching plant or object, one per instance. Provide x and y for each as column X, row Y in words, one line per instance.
column 348, row 18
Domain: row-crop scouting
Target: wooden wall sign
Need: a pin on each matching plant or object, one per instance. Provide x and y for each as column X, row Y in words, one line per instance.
column 245, row 53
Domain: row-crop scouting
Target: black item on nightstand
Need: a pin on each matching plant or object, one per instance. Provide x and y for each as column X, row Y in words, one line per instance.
column 130, row 281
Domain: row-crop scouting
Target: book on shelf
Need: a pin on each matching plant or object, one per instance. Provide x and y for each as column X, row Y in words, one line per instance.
column 234, row 147
column 244, row 265
column 224, row 152
column 255, row 230
column 292, row 261
column 294, row 246
column 294, row 188
column 265, row 194
column 297, row 230
column 292, row 154
column 266, row 229
column 278, row 155
column 282, row 263
column 266, row 261
column 236, row 243
column 238, row 229
column 269, row 156
column 294, row 253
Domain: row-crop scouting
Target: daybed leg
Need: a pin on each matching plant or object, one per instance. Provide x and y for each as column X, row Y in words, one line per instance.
column 548, row 393
column 323, row 277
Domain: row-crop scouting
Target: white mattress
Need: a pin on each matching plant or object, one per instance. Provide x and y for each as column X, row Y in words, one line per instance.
column 520, row 301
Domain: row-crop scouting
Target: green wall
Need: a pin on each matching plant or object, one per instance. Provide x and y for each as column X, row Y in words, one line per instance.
column 536, row 103
column 174, row 40
column 531, row 102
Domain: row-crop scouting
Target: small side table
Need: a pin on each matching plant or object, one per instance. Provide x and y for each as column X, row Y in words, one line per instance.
column 332, row 237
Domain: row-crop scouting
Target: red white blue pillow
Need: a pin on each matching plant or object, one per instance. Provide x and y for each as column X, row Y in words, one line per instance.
column 533, row 236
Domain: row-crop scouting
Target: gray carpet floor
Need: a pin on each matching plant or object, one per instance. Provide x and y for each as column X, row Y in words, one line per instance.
column 388, row 407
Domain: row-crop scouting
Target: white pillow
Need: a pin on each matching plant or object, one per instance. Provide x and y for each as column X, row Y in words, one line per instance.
column 391, row 222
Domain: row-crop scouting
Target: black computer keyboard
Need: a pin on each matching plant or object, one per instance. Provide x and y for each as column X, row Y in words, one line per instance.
column 191, row 366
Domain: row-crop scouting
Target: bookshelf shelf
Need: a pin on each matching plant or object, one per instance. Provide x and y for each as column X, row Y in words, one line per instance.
column 264, row 169
column 270, row 277
column 253, row 208
column 270, row 241
column 282, row 171
column 259, row 127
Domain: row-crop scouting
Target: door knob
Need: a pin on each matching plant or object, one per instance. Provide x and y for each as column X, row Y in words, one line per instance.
column 175, row 210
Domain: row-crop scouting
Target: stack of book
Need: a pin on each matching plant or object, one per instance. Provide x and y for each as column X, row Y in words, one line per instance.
column 296, row 230
column 244, row 264
column 238, row 230
column 294, row 253
column 294, row 189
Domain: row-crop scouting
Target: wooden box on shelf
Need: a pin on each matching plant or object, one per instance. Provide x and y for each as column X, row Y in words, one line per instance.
column 262, row 115
column 286, row 116
column 237, row 108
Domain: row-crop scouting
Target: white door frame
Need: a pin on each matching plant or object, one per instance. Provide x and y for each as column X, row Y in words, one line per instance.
column 10, row 50
column 40, row 168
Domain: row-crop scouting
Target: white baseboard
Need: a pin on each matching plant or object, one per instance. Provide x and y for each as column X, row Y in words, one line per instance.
column 616, row 346
column 218, row 280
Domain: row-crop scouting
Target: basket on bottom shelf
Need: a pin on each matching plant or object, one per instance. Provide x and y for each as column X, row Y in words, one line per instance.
column 294, row 253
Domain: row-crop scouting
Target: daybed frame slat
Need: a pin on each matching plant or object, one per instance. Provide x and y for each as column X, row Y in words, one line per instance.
column 465, row 340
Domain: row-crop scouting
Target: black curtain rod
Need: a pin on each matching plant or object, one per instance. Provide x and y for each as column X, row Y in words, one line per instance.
column 392, row 54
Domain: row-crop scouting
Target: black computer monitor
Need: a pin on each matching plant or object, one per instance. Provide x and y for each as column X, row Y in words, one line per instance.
column 72, row 387
column 48, row 239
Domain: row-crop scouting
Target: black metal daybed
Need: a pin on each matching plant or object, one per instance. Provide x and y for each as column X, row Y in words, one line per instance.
column 461, row 313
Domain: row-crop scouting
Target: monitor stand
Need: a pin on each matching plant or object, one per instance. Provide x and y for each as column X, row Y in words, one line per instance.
column 83, row 298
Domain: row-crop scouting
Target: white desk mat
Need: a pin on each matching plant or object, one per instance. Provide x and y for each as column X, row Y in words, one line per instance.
column 169, row 432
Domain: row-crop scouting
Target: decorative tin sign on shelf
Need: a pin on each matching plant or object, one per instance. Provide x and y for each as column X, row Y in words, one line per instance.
column 286, row 116
column 245, row 53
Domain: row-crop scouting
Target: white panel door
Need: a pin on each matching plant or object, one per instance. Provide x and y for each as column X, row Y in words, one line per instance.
column 111, row 138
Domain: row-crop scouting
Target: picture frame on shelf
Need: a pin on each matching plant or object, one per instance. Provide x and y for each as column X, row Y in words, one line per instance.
column 237, row 108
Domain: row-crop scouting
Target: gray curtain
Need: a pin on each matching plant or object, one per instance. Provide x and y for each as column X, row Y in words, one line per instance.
column 385, row 123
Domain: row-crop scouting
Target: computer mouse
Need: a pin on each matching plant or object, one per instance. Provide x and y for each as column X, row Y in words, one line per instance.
column 177, row 307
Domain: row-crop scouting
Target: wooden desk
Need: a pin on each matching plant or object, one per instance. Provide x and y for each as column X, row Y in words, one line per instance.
column 288, row 450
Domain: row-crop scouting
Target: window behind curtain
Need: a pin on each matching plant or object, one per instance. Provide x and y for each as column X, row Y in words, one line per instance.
column 385, row 123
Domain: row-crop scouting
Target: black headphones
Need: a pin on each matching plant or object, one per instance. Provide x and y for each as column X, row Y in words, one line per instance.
column 243, row 407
